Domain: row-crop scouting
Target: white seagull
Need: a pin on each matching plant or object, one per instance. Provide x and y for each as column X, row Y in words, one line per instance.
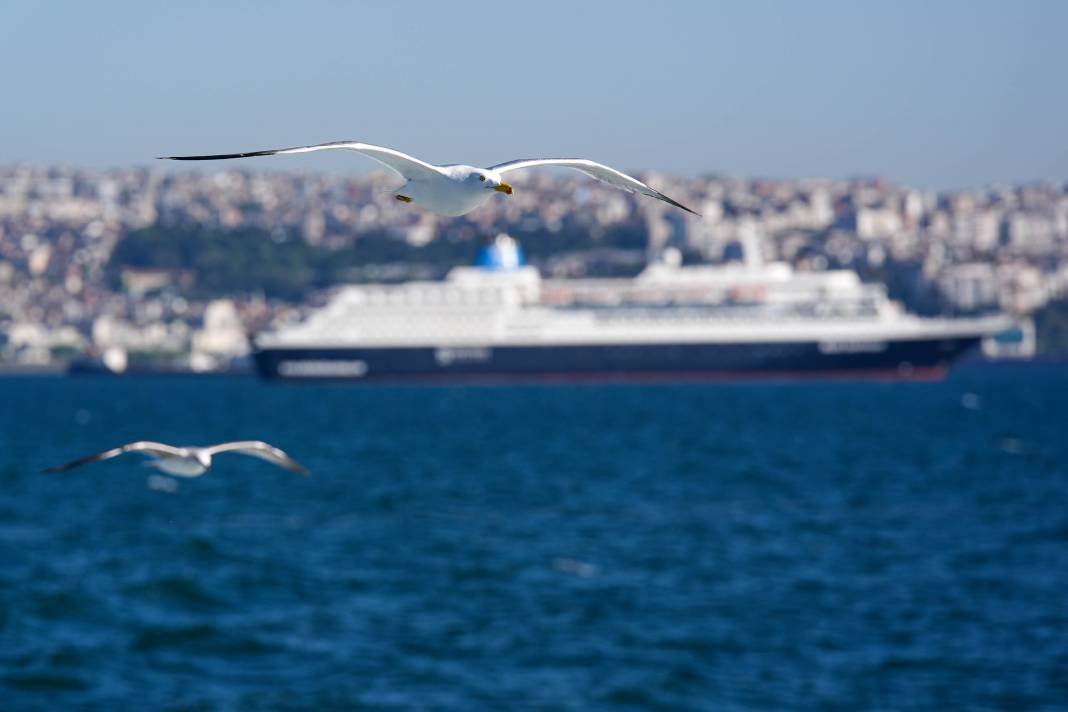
column 454, row 189
column 189, row 461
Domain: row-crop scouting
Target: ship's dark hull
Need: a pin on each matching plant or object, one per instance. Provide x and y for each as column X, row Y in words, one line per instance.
column 914, row 358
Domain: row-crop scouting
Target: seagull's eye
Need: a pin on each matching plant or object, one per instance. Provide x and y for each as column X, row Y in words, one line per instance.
column 481, row 177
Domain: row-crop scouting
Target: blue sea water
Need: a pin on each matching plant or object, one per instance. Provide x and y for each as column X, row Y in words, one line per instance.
column 825, row 546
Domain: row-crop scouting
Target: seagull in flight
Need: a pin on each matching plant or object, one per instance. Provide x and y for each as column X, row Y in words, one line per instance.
column 189, row 461
column 454, row 189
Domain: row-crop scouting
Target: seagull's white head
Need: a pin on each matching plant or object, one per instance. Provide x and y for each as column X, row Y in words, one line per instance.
column 487, row 179
column 203, row 458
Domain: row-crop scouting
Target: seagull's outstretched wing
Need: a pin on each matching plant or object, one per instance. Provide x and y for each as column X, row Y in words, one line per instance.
column 591, row 168
column 262, row 450
column 145, row 446
column 408, row 167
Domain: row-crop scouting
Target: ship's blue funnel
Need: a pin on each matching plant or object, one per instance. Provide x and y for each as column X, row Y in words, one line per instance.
column 503, row 254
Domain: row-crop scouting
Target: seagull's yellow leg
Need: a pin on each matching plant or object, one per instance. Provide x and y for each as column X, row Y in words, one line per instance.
column 404, row 198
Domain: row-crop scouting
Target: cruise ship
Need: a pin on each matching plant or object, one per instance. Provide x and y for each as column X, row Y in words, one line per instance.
column 500, row 321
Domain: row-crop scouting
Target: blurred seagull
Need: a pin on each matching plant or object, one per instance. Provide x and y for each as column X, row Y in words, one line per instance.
column 189, row 461
column 454, row 189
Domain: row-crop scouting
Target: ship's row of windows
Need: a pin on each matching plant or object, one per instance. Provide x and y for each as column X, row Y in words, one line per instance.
column 432, row 296
column 809, row 312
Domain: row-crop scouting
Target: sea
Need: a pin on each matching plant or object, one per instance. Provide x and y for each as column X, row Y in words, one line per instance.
column 767, row 546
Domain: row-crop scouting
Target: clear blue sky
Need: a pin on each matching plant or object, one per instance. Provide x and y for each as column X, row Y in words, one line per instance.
column 933, row 94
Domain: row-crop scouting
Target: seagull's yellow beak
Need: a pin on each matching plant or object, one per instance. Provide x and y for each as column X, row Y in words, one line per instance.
column 503, row 188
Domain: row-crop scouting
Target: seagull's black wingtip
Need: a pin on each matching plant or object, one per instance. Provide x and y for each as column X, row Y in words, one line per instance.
column 677, row 204
column 224, row 156
column 680, row 205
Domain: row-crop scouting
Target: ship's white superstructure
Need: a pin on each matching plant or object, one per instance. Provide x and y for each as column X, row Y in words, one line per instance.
column 666, row 303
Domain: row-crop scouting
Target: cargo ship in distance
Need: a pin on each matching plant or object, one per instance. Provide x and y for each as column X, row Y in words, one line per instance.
column 499, row 321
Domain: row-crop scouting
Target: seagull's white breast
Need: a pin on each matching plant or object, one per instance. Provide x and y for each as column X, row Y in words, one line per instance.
column 448, row 195
column 179, row 466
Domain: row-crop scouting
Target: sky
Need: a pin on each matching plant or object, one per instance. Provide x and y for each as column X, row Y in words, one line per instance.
column 937, row 95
